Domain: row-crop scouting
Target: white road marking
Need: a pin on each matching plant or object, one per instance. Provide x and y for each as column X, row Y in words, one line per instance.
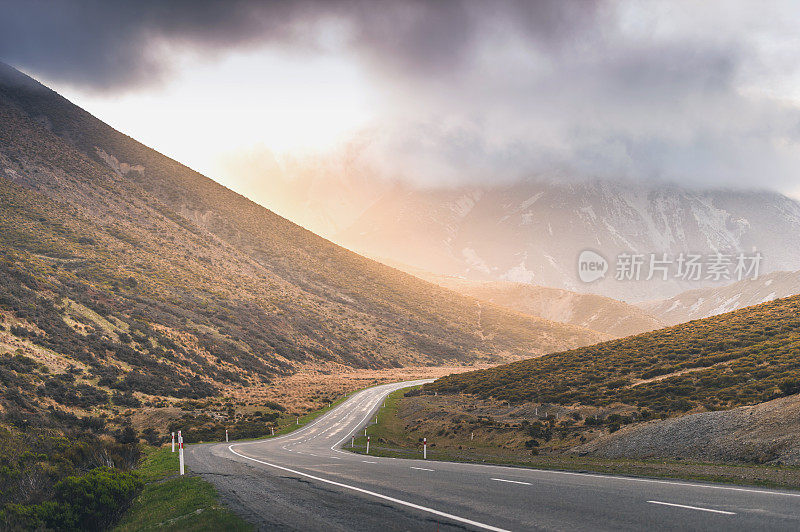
column 368, row 462
column 378, row 495
column 422, row 469
column 693, row 507
column 512, row 481
column 651, row 481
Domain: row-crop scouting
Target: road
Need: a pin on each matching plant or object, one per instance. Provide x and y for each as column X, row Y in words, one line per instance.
column 305, row 481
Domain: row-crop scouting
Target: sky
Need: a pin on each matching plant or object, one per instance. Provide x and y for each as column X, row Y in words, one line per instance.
column 703, row 94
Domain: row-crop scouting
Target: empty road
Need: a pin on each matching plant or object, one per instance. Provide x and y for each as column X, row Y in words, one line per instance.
column 305, row 481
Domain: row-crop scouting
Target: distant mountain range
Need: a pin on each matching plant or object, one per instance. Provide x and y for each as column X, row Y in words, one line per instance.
column 743, row 357
column 590, row 311
column 151, row 278
column 705, row 302
column 534, row 232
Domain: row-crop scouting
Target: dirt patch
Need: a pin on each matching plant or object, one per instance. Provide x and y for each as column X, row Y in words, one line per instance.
column 765, row 433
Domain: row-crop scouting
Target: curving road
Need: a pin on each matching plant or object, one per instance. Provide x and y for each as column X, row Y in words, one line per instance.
column 304, row 481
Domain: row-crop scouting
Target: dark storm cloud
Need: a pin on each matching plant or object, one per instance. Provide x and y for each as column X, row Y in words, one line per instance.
column 112, row 44
column 115, row 44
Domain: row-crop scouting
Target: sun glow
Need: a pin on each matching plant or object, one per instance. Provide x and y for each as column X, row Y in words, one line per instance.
column 284, row 102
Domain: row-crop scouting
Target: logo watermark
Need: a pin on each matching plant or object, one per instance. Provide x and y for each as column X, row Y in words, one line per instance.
column 684, row 266
column 591, row 266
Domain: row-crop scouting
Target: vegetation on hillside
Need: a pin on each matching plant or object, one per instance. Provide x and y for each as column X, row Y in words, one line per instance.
column 94, row 217
column 743, row 357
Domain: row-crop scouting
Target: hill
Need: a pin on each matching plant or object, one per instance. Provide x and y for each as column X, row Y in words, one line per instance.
column 590, row 311
column 705, row 302
column 159, row 280
column 131, row 284
column 739, row 358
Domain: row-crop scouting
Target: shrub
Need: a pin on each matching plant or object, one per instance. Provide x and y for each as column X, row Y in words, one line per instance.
column 90, row 502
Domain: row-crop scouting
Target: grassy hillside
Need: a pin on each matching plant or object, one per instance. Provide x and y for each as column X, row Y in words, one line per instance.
column 743, row 357
column 136, row 262
column 127, row 280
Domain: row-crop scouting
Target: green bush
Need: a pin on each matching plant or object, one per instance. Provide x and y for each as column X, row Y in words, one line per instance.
column 90, row 502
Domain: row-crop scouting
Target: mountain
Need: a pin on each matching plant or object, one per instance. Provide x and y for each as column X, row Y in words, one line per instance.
column 533, row 232
column 740, row 358
column 704, row 302
column 590, row 311
column 148, row 277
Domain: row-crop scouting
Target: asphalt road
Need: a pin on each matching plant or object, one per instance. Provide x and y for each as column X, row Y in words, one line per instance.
column 305, row 481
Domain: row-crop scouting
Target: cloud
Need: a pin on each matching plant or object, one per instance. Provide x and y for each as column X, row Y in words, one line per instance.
column 469, row 91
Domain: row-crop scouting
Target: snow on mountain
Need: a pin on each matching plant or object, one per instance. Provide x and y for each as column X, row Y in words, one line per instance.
column 533, row 232
column 705, row 302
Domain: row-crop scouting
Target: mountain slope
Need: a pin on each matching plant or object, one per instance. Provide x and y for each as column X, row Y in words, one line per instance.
column 740, row 358
column 534, row 232
column 705, row 302
column 153, row 278
column 767, row 432
column 590, row 311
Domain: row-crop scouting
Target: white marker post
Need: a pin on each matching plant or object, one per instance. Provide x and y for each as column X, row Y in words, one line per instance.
column 298, row 421
column 424, row 448
column 173, row 442
column 365, row 431
column 226, row 435
column 352, row 441
column 367, row 444
column 272, row 429
column 471, row 436
column 180, row 455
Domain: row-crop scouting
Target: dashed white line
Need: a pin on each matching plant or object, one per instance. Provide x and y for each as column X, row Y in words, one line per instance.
column 378, row 495
column 692, row 507
column 422, row 468
column 512, row 481
column 368, row 462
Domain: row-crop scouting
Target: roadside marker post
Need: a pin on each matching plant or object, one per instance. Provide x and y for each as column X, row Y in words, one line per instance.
column 298, row 421
column 367, row 444
column 471, row 436
column 180, row 455
column 424, row 448
column 352, row 441
column 272, row 429
column 226, row 435
column 173, row 442
column 365, row 431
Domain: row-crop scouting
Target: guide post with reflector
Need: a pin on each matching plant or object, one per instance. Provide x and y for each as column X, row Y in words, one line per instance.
column 180, row 454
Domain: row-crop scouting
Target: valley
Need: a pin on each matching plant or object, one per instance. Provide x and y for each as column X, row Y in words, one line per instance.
column 343, row 265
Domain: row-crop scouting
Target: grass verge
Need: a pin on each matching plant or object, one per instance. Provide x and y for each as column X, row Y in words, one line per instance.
column 188, row 502
column 175, row 502
column 389, row 438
